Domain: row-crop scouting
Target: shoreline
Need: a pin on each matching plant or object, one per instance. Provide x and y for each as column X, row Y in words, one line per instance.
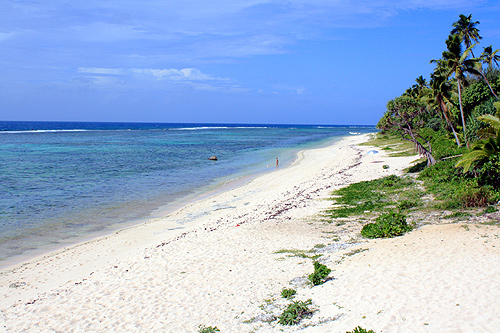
column 235, row 255
column 202, row 192
column 171, row 214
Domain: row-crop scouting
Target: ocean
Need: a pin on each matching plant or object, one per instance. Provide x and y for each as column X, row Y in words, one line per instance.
column 63, row 181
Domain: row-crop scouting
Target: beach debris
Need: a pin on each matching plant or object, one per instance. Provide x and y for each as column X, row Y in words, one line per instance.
column 213, row 158
column 17, row 284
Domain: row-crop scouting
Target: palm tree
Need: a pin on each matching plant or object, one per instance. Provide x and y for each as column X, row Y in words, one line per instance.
column 417, row 90
column 467, row 30
column 439, row 97
column 457, row 63
column 489, row 56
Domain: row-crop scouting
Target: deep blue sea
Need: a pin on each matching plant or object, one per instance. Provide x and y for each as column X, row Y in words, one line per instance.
column 63, row 180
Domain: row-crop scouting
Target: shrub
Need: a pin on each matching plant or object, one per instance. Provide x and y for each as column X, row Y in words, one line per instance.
column 320, row 274
column 359, row 329
column 209, row 329
column 417, row 167
column 476, row 197
column 288, row 293
column 489, row 174
column 295, row 312
column 490, row 209
column 386, row 225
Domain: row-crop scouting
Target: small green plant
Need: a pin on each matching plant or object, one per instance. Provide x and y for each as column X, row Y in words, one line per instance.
column 209, row 329
column 295, row 312
column 407, row 204
column 359, row 329
column 386, row 225
column 320, row 274
column 490, row 209
column 385, row 166
column 299, row 253
column 288, row 293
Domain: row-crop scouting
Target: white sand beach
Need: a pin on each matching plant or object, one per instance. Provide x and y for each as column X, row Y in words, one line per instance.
column 221, row 261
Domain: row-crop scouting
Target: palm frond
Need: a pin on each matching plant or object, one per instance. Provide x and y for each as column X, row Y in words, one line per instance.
column 491, row 120
column 472, row 158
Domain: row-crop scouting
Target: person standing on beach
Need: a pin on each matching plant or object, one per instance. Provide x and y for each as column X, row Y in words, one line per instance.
column 277, row 163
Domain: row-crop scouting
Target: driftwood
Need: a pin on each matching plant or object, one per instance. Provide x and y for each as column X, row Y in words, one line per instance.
column 448, row 157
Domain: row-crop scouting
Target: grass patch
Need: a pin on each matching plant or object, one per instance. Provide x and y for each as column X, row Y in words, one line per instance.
column 374, row 196
column 295, row 312
column 299, row 253
column 390, row 142
column 442, row 185
column 458, row 215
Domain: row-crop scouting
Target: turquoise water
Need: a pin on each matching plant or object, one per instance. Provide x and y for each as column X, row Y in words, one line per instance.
column 60, row 181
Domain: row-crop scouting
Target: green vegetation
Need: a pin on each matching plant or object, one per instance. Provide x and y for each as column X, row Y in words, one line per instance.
column 210, row 329
column 387, row 225
column 375, row 196
column 320, row 274
column 359, row 329
column 454, row 122
column 295, row 312
column 288, row 293
column 300, row 253
column 391, row 142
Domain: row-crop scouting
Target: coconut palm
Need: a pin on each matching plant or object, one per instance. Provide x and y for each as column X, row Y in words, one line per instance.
column 456, row 63
column 467, row 30
column 469, row 33
column 418, row 89
column 439, row 97
column 489, row 56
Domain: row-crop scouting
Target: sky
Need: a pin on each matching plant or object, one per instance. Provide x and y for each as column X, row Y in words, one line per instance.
column 324, row 62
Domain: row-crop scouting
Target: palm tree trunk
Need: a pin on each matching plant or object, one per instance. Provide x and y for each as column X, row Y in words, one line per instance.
column 488, row 83
column 462, row 112
column 445, row 111
column 419, row 148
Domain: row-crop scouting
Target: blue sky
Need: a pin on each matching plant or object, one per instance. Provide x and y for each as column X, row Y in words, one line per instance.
column 239, row 61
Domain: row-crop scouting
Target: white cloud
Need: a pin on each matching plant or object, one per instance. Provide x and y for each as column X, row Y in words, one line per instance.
column 6, row 35
column 106, row 71
column 193, row 77
column 185, row 74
